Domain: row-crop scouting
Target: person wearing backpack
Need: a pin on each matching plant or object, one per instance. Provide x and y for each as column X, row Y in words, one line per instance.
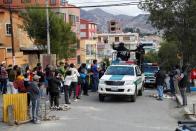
column 83, row 77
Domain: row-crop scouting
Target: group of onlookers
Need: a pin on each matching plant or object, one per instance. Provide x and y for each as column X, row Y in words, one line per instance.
column 53, row 81
column 179, row 82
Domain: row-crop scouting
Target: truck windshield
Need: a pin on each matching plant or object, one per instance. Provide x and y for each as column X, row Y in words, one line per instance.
column 152, row 69
column 120, row 70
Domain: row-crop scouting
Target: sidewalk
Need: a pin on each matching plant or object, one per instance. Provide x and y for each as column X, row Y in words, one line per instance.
column 42, row 107
column 191, row 98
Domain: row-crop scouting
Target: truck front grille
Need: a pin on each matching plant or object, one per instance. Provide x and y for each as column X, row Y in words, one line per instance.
column 115, row 83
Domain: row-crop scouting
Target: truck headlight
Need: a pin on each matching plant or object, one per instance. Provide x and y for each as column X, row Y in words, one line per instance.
column 101, row 82
column 129, row 82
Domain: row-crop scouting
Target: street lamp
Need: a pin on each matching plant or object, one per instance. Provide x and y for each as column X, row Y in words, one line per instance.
column 48, row 28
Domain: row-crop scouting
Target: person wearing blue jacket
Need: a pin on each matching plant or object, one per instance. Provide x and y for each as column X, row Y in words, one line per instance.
column 83, row 76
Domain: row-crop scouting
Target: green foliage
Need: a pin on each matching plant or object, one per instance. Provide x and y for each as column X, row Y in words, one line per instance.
column 132, row 30
column 177, row 19
column 61, row 36
column 168, row 55
column 151, row 57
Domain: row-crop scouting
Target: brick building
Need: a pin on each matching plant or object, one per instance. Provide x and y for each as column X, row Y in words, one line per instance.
column 70, row 15
column 88, row 42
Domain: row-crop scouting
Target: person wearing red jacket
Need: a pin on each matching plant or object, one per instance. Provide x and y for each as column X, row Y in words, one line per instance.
column 193, row 76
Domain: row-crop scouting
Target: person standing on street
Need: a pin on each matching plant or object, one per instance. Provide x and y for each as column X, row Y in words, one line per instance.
column 75, row 74
column 83, row 76
column 95, row 76
column 34, row 92
column 54, row 89
column 183, row 83
column 67, row 84
column 160, row 79
column 102, row 71
column 176, row 80
column 3, row 78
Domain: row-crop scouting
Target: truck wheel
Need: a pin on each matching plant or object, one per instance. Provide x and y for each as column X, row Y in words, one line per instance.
column 101, row 97
column 133, row 97
column 140, row 93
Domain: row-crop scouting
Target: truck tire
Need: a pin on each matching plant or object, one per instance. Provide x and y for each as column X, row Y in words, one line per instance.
column 101, row 98
column 140, row 92
column 133, row 97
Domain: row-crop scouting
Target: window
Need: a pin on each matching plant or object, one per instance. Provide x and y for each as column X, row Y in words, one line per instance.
column 99, row 39
column 138, row 71
column 120, row 70
column 113, row 29
column 8, row 29
column 82, row 34
column 53, row 2
column 63, row 2
column 105, row 39
column 116, row 39
column 7, row 1
column 89, row 49
column 126, row 38
column 82, row 26
column 72, row 19
column 25, row 1
column 9, row 50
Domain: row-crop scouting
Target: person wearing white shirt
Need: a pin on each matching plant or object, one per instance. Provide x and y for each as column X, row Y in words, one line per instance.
column 75, row 74
column 67, row 84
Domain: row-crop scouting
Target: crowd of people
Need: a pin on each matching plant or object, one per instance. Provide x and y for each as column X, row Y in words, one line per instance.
column 52, row 81
column 178, row 82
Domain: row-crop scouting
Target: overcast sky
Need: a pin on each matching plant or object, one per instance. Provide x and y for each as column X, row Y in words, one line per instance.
column 131, row 10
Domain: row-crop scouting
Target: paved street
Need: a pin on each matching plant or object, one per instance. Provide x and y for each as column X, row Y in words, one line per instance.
column 88, row 114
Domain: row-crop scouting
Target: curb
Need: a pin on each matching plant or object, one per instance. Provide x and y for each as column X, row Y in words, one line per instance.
column 185, row 109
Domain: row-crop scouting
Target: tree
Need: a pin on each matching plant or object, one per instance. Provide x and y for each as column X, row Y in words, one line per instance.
column 61, row 36
column 151, row 57
column 168, row 54
column 128, row 29
column 177, row 19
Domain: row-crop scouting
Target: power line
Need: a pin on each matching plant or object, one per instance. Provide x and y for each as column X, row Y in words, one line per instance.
column 88, row 6
column 133, row 1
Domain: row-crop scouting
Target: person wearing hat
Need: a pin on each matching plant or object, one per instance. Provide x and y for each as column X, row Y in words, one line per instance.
column 34, row 92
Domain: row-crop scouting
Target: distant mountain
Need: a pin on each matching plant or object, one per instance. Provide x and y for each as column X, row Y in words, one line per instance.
column 101, row 18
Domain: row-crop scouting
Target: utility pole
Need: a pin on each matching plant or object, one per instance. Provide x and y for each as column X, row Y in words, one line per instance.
column 12, row 37
column 48, row 28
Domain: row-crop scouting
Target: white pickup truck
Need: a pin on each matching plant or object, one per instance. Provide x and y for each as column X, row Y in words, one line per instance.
column 123, row 80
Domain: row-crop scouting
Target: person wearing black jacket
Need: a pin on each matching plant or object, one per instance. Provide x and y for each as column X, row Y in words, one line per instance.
column 54, row 89
column 183, row 84
column 122, row 52
column 160, row 80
